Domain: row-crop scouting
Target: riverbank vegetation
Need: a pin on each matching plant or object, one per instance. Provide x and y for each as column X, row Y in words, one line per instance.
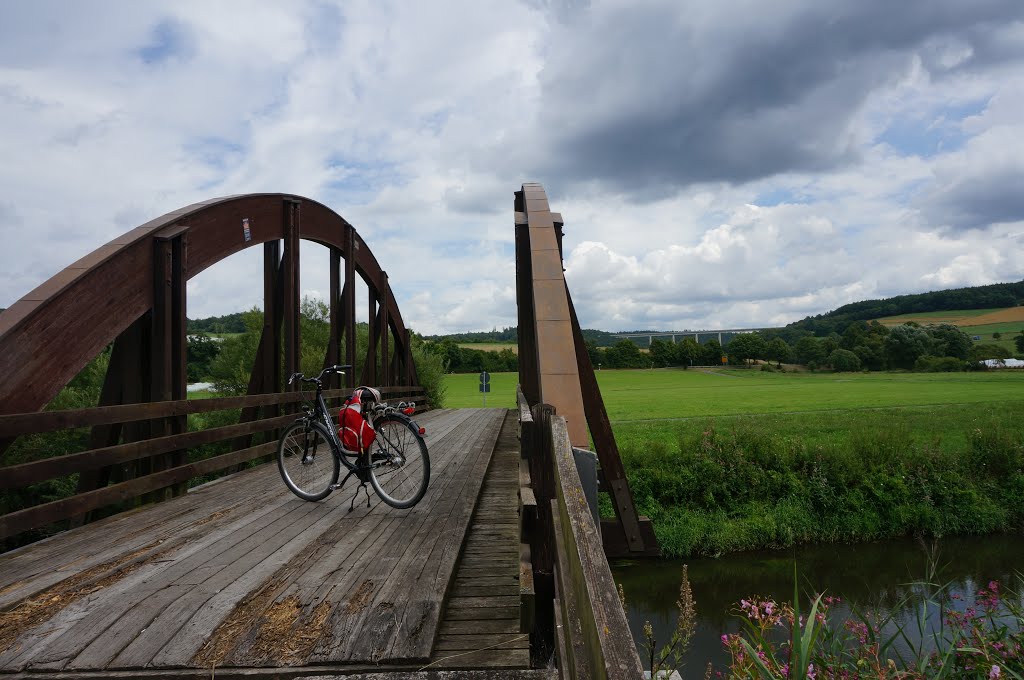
column 713, row 486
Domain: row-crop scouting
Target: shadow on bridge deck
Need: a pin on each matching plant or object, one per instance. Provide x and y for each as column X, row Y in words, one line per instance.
column 240, row 575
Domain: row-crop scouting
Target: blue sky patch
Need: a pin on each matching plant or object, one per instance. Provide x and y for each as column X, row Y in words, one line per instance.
column 928, row 138
column 168, row 40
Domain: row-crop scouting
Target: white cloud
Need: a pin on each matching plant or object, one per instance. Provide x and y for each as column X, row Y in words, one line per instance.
column 704, row 179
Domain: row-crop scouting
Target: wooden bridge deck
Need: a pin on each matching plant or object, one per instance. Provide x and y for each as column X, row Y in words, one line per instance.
column 242, row 577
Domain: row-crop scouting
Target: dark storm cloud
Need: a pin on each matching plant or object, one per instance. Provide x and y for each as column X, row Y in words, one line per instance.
column 653, row 98
column 980, row 200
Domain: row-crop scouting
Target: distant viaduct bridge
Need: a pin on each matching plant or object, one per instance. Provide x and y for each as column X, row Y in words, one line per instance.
column 707, row 335
column 501, row 566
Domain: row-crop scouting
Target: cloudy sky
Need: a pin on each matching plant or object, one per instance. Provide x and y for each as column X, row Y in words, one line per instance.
column 718, row 164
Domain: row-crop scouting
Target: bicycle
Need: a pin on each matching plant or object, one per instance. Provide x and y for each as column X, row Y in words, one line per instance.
column 396, row 463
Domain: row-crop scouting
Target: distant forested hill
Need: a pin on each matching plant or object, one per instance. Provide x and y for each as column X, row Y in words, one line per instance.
column 994, row 296
column 511, row 334
column 230, row 323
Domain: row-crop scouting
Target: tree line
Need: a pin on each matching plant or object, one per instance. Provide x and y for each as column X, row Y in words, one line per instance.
column 995, row 296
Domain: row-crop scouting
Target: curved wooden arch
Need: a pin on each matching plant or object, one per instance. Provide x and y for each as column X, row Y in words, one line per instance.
column 49, row 335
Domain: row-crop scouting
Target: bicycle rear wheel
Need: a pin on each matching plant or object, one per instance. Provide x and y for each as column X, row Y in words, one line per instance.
column 306, row 461
column 399, row 464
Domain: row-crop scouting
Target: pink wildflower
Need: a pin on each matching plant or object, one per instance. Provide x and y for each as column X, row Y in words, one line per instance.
column 996, row 672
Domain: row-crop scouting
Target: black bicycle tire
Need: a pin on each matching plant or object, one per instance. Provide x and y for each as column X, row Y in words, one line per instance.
column 281, row 456
column 381, row 441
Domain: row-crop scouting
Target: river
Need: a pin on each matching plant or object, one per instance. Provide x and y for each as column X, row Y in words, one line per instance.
column 866, row 575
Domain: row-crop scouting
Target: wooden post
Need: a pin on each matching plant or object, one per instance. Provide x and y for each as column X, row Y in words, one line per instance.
column 334, row 339
column 528, row 376
column 407, row 359
column 169, row 346
column 292, row 290
column 370, row 367
column 349, row 294
column 385, row 331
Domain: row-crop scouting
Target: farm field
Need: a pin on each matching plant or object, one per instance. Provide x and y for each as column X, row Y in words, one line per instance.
column 490, row 346
column 965, row 318
column 946, row 316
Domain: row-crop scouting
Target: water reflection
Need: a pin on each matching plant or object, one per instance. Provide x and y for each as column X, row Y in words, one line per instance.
column 869, row 575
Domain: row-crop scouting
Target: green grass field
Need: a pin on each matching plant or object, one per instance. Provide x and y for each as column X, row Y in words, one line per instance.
column 734, row 459
column 671, row 394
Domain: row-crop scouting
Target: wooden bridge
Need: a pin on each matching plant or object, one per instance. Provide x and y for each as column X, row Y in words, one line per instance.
column 500, row 571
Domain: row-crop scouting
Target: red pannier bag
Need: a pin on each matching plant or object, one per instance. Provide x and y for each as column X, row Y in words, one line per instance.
column 355, row 433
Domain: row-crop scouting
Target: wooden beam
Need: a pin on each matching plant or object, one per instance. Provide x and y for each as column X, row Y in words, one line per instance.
column 349, row 306
column 292, row 290
column 14, row 424
column 529, row 378
column 604, row 442
column 369, row 376
column 333, row 355
column 385, row 331
column 30, row 518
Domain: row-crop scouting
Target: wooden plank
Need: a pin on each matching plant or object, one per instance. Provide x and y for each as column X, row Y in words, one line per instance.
column 407, row 631
column 488, row 658
column 482, row 613
column 16, row 424
column 588, row 588
column 37, row 641
column 16, row 476
column 39, row 515
column 478, row 641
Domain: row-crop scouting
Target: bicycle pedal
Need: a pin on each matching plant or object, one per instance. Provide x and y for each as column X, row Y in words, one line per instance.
column 335, row 487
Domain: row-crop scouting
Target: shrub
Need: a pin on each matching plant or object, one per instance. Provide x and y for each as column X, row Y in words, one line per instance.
column 930, row 364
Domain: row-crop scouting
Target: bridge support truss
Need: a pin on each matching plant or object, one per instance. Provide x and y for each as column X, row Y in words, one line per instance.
column 555, row 368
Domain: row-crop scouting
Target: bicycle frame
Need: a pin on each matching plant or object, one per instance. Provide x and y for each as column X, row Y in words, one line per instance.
column 322, row 415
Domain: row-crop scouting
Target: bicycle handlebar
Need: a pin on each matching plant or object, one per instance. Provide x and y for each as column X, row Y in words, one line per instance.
column 337, row 368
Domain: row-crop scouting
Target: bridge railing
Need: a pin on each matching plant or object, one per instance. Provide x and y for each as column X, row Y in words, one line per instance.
column 143, row 466
column 587, row 626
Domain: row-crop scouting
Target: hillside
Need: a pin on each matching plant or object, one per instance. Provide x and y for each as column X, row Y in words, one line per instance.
column 990, row 298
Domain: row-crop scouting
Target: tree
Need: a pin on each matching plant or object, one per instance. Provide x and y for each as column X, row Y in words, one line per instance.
column 687, row 351
column 1019, row 342
column 202, row 350
column 843, row 360
column 809, row 350
column 711, row 354
column 905, row 344
column 740, row 348
column 232, row 367
column 997, row 336
column 948, row 341
column 662, row 353
column 625, row 354
column 779, row 351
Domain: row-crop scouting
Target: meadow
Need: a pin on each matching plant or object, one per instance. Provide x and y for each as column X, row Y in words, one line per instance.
column 731, row 460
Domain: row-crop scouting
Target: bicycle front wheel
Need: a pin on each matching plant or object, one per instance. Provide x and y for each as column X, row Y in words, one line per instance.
column 399, row 464
column 306, row 461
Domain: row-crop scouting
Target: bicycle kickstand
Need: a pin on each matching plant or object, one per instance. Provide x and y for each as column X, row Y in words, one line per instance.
column 352, row 505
